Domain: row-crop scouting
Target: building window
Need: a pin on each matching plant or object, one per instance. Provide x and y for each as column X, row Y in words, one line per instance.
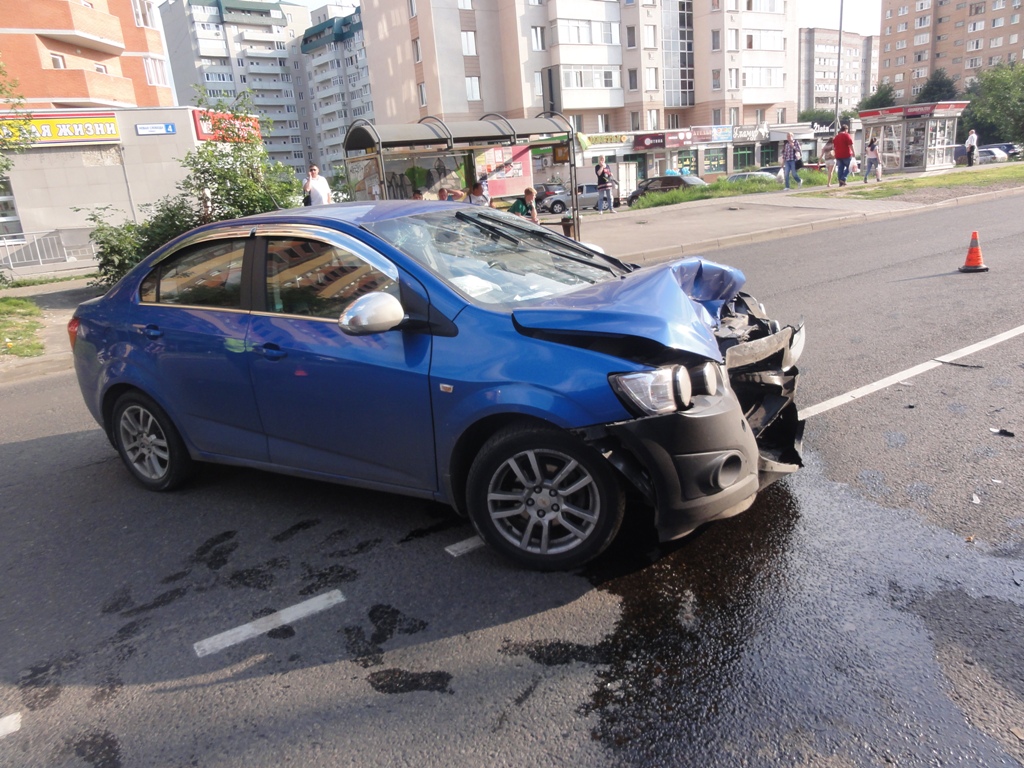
column 734, row 115
column 10, row 224
column 974, row 62
column 57, row 60
column 901, row 27
column 632, row 79
column 412, row 8
column 631, row 37
column 652, row 119
column 996, row 23
column 716, row 116
column 421, row 89
column 734, row 39
column 716, row 40
column 156, row 71
column 634, row 121
column 716, row 80
column 922, row 21
column 417, row 52
column 468, row 43
column 650, row 36
column 473, row 88
column 603, row 124
column 651, row 79
column 780, row 116
column 758, row 116
column 145, row 14
column 923, row 5
column 976, row 26
column 977, row 9
column 734, row 79
column 975, row 45
column 538, row 86
column 466, row 5
column 922, row 39
column 537, row 38
column 672, row 121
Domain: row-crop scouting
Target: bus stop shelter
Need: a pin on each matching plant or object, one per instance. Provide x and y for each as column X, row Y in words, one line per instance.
column 391, row 162
column 916, row 137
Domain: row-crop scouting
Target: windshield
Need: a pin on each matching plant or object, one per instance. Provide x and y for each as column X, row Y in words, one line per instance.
column 495, row 258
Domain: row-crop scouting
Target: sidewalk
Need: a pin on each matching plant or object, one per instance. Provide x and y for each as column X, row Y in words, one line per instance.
column 639, row 237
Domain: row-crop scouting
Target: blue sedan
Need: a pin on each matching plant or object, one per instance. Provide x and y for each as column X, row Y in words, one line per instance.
column 452, row 353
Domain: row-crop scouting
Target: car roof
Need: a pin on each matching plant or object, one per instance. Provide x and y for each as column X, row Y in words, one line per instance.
column 355, row 214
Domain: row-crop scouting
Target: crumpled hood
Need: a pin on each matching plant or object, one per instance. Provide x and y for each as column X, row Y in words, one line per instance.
column 675, row 304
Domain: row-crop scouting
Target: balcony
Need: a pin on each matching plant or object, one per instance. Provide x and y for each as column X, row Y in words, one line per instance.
column 85, row 88
column 255, row 53
column 272, row 101
column 263, row 68
column 251, row 19
column 591, row 98
column 214, row 49
column 256, row 36
column 75, row 24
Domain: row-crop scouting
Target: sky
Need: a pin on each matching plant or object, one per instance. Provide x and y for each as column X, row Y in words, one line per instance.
column 861, row 16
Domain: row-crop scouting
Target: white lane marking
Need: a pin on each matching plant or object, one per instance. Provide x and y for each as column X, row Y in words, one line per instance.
column 888, row 381
column 10, row 724
column 460, row 548
column 267, row 623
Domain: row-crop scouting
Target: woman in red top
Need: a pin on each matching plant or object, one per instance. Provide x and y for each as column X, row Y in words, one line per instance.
column 842, row 145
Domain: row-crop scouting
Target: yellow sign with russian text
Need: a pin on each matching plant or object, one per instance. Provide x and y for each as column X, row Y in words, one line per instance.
column 67, row 128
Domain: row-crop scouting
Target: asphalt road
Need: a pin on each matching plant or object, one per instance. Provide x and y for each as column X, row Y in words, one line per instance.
column 866, row 611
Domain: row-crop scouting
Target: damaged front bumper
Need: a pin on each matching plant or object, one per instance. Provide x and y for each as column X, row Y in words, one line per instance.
column 709, row 461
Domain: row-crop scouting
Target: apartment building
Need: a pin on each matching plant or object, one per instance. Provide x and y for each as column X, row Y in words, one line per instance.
column 921, row 36
column 91, row 54
column 235, row 45
column 826, row 73
column 337, row 78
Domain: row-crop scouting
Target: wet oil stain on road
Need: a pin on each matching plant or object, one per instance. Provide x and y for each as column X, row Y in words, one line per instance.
column 401, row 681
column 803, row 632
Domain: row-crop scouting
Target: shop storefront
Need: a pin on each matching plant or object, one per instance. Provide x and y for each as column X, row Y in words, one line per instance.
column 917, row 137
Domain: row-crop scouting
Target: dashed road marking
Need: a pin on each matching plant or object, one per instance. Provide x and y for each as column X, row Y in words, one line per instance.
column 262, row 626
column 460, row 548
column 888, row 381
column 10, row 724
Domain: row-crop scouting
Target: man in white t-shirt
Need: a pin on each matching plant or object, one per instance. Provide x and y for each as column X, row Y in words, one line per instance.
column 316, row 187
column 971, row 145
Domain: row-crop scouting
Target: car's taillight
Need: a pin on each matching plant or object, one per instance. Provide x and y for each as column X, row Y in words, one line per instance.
column 73, row 324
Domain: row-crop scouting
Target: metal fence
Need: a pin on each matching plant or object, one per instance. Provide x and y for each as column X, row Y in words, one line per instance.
column 36, row 249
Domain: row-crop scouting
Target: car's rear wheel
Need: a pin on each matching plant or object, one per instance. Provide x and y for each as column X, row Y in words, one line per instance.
column 558, row 207
column 149, row 444
column 543, row 498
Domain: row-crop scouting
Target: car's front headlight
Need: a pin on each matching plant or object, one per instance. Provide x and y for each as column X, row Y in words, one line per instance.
column 667, row 389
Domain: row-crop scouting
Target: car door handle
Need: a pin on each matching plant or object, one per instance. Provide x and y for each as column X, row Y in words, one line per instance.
column 152, row 332
column 270, row 351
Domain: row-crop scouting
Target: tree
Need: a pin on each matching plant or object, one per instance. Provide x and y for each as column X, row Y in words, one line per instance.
column 884, row 96
column 996, row 110
column 819, row 116
column 14, row 133
column 938, row 87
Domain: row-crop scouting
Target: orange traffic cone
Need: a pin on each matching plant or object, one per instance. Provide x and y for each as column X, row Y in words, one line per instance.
column 974, row 262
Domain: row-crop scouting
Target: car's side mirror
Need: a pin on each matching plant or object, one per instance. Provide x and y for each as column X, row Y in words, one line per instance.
column 372, row 313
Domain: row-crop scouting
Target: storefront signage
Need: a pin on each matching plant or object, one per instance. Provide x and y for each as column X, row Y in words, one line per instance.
column 70, row 128
column 649, row 141
column 155, row 129
column 750, row 132
column 606, row 138
column 721, row 133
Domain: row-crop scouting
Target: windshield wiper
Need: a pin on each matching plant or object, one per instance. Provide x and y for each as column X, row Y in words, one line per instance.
column 564, row 247
column 486, row 226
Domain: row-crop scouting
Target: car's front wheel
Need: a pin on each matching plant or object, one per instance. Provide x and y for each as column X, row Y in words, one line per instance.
column 558, row 207
column 543, row 498
column 149, row 444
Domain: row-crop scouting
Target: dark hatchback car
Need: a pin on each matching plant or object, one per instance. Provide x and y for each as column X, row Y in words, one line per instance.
column 663, row 184
column 452, row 353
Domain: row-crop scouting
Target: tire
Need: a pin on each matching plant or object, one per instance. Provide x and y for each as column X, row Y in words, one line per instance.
column 149, row 444
column 544, row 499
column 558, row 207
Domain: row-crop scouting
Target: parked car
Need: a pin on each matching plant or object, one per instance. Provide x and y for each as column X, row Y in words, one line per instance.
column 452, row 353
column 747, row 175
column 1011, row 149
column 988, row 155
column 663, row 184
column 544, row 191
column 586, row 198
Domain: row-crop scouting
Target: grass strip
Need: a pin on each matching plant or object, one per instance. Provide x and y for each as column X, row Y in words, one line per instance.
column 18, row 327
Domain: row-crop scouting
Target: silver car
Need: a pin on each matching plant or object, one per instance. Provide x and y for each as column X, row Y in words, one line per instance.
column 586, row 196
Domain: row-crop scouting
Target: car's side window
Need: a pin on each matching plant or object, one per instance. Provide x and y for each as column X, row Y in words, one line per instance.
column 207, row 275
column 318, row 279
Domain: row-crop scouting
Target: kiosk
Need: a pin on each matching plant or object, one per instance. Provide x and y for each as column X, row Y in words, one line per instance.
column 917, row 137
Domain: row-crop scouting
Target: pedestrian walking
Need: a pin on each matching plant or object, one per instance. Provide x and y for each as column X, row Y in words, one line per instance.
column 526, row 206
column 316, row 187
column 790, row 155
column 605, row 182
column 828, row 154
column 971, row 145
column 872, row 161
column 842, row 144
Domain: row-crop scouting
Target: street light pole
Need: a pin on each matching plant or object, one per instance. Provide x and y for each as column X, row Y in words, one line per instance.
column 839, row 63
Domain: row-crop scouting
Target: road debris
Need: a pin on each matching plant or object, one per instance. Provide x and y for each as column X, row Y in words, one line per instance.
column 1002, row 432
column 975, row 499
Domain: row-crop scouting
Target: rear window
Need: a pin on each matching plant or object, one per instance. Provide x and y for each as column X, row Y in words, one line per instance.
column 205, row 275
